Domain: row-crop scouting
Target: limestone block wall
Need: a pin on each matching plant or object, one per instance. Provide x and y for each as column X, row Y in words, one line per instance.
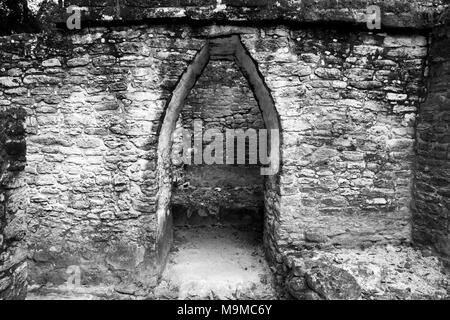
column 13, row 196
column 95, row 99
column 432, row 179
column 347, row 103
column 92, row 121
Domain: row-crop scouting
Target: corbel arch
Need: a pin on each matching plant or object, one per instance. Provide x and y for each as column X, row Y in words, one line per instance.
column 220, row 48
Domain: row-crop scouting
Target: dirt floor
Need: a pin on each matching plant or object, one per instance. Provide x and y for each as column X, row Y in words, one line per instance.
column 213, row 262
column 216, row 263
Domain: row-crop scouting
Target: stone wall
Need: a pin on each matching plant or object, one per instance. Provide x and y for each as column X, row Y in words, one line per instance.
column 432, row 179
column 416, row 14
column 94, row 112
column 347, row 104
column 95, row 100
column 13, row 197
column 221, row 99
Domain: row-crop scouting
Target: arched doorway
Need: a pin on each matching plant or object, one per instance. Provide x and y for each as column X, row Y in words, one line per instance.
column 221, row 48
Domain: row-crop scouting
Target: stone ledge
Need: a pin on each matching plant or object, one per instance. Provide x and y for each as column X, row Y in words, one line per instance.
column 421, row 14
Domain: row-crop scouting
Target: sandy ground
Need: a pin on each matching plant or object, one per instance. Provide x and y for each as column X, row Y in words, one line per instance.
column 205, row 263
column 216, row 263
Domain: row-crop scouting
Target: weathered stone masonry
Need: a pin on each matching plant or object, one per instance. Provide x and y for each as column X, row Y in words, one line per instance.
column 95, row 100
column 432, row 194
column 214, row 189
column 92, row 112
column 13, row 200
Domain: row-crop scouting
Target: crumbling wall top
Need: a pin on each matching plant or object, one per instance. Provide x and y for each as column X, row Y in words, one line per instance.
column 417, row 14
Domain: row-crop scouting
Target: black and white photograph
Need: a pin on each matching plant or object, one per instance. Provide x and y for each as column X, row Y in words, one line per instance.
column 224, row 155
